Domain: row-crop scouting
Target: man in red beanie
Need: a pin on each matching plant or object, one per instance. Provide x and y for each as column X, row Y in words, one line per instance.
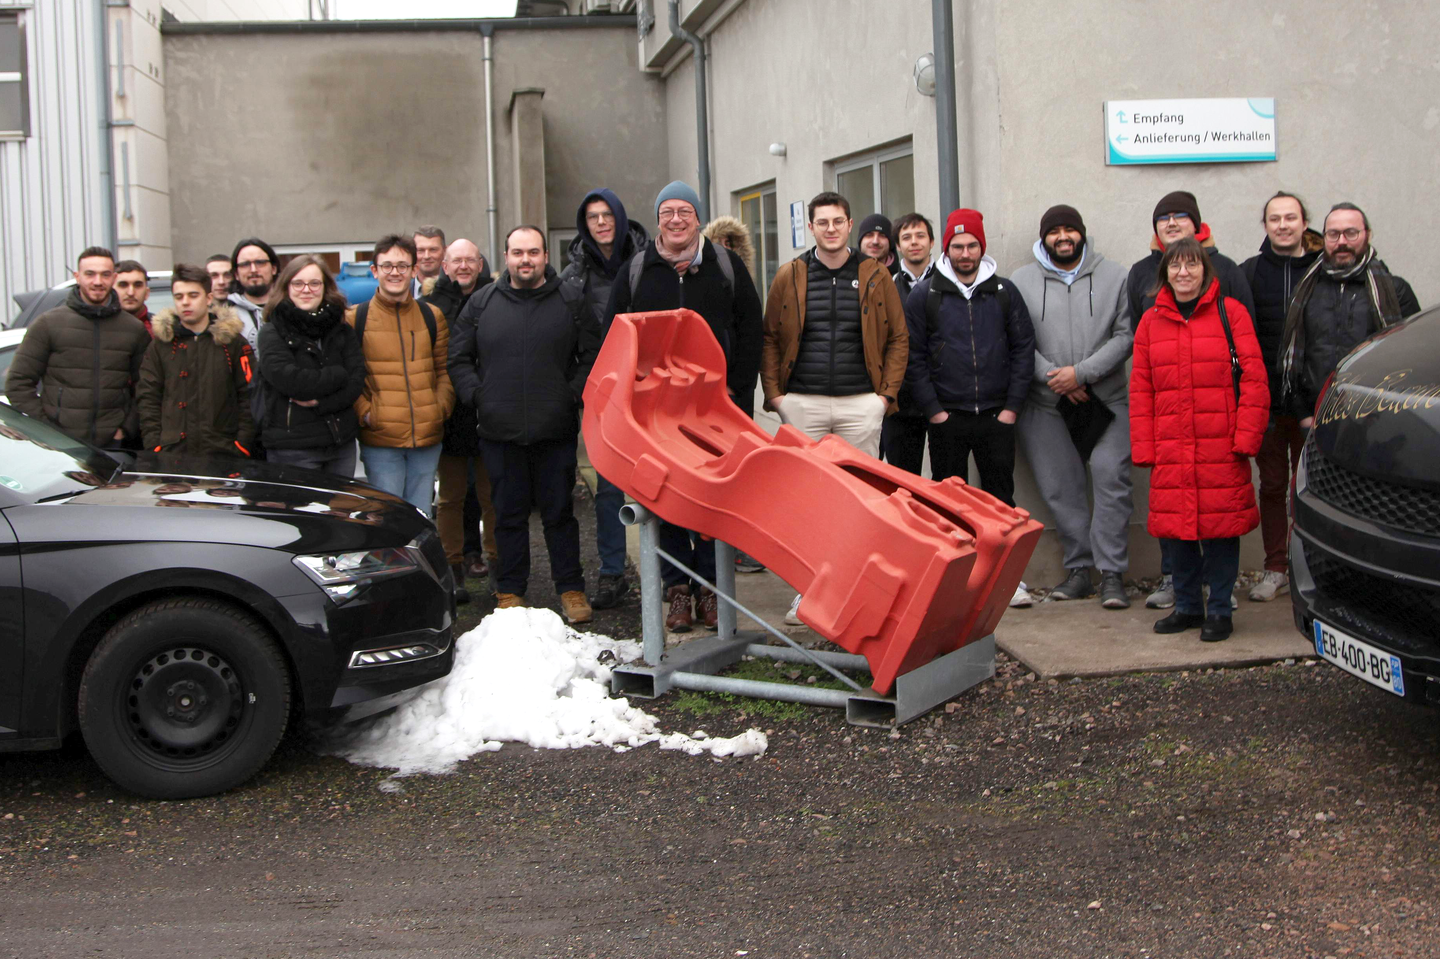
column 972, row 354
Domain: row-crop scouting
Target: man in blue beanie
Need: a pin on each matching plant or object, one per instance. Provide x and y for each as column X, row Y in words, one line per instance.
column 605, row 240
column 683, row 269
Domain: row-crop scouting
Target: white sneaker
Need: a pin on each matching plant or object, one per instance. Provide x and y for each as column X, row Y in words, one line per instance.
column 1164, row 595
column 793, row 617
column 1272, row 584
column 1022, row 598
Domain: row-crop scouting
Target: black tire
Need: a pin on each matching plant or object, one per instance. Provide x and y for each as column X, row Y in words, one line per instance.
column 184, row 697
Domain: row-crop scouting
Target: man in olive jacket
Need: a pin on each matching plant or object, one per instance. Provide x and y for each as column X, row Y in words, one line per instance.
column 78, row 364
column 194, row 392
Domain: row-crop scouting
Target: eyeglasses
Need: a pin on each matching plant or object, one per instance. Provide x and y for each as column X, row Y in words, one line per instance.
column 394, row 267
column 316, row 285
column 251, row 264
column 601, row 218
column 1185, row 266
column 683, row 215
column 1351, row 234
column 465, row 261
column 1172, row 217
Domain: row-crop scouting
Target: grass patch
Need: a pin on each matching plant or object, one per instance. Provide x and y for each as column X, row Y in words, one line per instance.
column 765, row 671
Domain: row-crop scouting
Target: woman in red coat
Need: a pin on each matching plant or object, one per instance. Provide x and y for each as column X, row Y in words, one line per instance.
column 1188, row 423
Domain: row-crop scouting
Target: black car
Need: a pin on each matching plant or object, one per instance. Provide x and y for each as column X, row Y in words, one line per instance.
column 180, row 612
column 1365, row 551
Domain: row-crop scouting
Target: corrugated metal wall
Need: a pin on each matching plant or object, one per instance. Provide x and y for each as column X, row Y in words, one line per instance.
column 52, row 187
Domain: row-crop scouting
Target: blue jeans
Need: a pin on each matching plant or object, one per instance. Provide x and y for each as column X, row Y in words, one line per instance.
column 1165, row 564
column 609, row 531
column 407, row 472
column 1210, row 562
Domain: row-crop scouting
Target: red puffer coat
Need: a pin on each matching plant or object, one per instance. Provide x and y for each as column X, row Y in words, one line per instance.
column 1184, row 420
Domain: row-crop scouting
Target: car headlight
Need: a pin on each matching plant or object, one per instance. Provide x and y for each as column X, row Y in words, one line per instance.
column 341, row 575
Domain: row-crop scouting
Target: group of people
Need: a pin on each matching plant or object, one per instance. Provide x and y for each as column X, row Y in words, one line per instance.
column 453, row 373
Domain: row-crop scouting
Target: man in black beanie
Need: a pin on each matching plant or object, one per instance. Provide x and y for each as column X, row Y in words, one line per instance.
column 1176, row 217
column 875, row 240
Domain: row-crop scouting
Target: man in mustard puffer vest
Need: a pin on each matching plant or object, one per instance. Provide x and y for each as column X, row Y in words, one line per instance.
column 407, row 394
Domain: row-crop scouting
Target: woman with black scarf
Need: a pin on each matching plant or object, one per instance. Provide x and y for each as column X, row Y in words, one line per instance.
column 313, row 369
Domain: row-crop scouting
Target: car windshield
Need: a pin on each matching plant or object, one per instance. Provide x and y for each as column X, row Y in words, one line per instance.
column 39, row 462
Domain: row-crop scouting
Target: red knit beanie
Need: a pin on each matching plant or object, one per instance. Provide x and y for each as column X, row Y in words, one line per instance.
column 964, row 221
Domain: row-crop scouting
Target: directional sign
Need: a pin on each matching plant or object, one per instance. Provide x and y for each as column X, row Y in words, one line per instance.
column 1213, row 130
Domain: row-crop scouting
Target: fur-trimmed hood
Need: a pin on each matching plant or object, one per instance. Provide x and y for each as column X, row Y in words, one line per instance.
column 730, row 232
column 225, row 324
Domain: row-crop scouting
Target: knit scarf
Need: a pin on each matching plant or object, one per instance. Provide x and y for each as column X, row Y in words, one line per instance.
column 686, row 260
column 1384, row 306
column 314, row 324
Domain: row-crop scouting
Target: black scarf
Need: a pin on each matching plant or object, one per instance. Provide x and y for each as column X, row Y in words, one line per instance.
column 314, row 324
column 92, row 311
column 1384, row 307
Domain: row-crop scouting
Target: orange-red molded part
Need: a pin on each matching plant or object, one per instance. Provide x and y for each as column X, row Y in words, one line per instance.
column 897, row 568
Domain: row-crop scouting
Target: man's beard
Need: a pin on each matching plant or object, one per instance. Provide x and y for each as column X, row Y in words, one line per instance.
column 258, row 290
column 1074, row 257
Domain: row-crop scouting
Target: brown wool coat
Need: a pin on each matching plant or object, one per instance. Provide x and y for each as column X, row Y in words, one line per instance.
column 407, row 394
column 882, row 321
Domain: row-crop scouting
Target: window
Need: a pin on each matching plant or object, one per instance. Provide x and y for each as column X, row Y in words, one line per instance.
column 880, row 182
column 14, row 90
column 560, row 241
column 758, row 213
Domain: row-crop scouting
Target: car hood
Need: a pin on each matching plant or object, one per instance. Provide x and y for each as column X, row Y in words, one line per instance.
column 257, row 504
column 1381, row 415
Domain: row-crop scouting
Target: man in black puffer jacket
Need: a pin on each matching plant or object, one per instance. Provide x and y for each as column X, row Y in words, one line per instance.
column 313, row 370
column 520, row 354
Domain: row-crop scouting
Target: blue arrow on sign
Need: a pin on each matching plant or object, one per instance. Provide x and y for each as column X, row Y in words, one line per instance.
column 1121, row 138
column 1120, row 115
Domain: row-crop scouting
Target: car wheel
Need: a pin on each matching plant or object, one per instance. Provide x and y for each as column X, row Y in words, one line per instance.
column 184, row 698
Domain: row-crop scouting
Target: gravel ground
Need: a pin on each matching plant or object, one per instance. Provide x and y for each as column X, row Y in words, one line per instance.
column 1269, row 812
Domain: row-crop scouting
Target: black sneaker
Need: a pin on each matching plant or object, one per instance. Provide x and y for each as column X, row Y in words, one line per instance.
column 1076, row 586
column 1216, row 628
column 1178, row 622
column 609, row 591
column 1112, row 591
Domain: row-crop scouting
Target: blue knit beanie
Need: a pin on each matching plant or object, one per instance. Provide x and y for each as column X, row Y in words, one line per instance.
column 678, row 190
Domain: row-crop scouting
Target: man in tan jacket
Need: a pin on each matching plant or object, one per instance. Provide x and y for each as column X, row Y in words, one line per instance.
column 407, row 394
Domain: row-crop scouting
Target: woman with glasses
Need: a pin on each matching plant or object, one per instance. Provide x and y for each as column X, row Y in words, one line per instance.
column 313, row 370
column 1199, row 405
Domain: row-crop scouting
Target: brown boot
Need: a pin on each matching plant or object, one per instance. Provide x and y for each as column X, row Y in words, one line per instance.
column 508, row 600
column 678, row 617
column 707, row 607
column 576, row 606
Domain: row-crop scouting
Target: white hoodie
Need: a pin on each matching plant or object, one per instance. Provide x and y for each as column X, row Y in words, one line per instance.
column 987, row 270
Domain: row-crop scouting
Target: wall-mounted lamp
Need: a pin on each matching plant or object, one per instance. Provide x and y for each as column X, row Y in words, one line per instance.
column 777, row 149
column 925, row 75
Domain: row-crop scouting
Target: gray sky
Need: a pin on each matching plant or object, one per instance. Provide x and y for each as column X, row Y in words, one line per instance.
column 419, row 9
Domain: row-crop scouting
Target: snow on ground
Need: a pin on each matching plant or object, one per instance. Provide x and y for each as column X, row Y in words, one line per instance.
column 520, row 676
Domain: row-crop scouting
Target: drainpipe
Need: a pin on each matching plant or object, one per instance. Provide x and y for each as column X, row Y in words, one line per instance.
column 702, row 118
column 108, row 226
column 492, row 213
column 947, row 137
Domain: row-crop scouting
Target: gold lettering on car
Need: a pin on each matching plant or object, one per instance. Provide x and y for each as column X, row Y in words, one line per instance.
column 1350, row 400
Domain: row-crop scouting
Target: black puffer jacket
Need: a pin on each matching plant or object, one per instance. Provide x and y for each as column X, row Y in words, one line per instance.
column 831, row 357
column 1272, row 279
column 461, row 438
column 521, row 358
column 310, row 357
column 77, row 368
column 734, row 315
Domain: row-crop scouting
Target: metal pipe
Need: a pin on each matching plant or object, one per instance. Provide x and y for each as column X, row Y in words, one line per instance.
column 652, row 588
column 786, row 654
column 109, row 228
column 492, row 212
column 947, row 136
column 702, row 115
column 725, row 585
column 191, row 28
column 810, row 695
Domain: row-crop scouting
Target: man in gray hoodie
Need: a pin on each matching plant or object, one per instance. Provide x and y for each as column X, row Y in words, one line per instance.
column 1083, row 336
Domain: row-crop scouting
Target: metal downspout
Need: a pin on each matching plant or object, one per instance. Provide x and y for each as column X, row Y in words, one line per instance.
column 702, row 118
column 108, row 227
column 492, row 213
column 947, row 137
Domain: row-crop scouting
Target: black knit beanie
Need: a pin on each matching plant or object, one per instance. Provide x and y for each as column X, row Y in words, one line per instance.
column 1181, row 201
column 1062, row 215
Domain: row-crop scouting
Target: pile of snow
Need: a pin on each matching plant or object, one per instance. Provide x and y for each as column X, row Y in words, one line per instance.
column 521, row 676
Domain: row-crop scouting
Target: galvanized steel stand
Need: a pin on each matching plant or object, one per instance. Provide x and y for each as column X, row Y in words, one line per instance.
column 697, row 664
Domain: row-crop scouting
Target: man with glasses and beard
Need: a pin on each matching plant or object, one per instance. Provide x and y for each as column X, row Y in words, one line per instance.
column 1346, row 297
column 1083, row 337
column 255, row 266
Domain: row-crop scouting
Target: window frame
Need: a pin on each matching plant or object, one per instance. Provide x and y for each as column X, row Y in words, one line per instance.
column 758, row 193
column 20, row 77
column 873, row 159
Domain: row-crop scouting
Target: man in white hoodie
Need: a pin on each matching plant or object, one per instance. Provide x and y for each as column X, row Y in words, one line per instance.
column 1083, row 335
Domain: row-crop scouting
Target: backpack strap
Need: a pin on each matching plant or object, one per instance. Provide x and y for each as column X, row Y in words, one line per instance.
column 362, row 314
column 727, row 268
column 1235, row 369
column 932, row 305
column 637, row 266
column 429, row 313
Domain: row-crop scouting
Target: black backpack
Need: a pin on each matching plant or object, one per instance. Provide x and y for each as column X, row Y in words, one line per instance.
column 932, row 306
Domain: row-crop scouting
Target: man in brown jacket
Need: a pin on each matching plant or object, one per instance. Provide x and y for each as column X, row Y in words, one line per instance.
column 835, row 339
column 78, row 364
column 407, row 393
column 194, row 392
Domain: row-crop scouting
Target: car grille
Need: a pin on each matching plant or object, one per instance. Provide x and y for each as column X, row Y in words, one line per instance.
column 1403, row 615
column 1403, row 507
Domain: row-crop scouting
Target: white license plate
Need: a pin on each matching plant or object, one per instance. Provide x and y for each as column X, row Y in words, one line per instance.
column 1375, row 666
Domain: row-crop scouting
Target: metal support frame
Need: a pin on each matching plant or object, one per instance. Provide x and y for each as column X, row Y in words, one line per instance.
column 697, row 663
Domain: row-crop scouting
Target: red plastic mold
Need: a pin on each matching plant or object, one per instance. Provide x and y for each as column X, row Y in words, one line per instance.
column 897, row 568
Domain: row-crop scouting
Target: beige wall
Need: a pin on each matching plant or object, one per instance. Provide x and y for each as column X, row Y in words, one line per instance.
column 338, row 137
column 1355, row 99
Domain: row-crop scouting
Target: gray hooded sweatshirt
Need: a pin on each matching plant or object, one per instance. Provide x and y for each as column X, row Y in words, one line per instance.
column 1084, row 323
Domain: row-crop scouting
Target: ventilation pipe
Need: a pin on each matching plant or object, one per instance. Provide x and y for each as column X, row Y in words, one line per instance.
column 947, row 137
column 702, row 118
column 492, row 213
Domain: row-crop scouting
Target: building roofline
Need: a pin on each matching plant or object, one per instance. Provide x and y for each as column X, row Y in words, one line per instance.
column 488, row 25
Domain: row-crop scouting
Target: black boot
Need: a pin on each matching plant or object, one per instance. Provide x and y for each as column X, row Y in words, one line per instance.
column 1215, row 629
column 1178, row 622
column 462, row 595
